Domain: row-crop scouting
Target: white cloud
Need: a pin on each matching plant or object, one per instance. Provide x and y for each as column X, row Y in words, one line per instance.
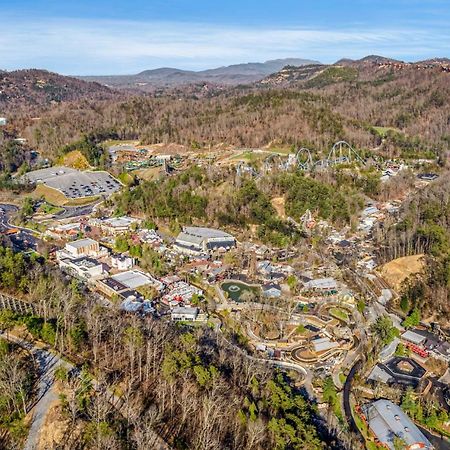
column 106, row 46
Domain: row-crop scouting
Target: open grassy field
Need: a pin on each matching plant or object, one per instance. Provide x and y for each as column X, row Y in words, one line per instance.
column 279, row 204
column 382, row 131
column 395, row 272
column 149, row 174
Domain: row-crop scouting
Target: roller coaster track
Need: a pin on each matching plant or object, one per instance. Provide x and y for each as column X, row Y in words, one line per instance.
column 341, row 153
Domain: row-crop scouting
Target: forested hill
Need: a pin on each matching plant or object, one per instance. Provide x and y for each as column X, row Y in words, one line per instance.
column 28, row 92
column 400, row 111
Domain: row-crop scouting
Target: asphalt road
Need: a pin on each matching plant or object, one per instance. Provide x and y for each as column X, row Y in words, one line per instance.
column 76, row 211
column 25, row 239
column 346, row 399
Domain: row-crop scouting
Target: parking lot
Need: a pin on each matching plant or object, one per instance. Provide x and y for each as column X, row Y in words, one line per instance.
column 73, row 183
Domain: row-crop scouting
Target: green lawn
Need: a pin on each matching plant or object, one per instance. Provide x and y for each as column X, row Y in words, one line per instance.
column 47, row 208
column 339, row 314
column 382, row 131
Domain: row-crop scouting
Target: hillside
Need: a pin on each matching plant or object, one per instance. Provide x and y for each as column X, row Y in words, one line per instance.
column 32, row 91
column 314, row 106
column 235, row 74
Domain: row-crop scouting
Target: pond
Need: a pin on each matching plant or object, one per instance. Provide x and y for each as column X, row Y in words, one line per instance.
column 236, row 289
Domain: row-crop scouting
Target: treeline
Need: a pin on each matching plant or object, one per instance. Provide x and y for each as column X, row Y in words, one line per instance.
column 190, row 386
column 17, row 377
column 90, row 147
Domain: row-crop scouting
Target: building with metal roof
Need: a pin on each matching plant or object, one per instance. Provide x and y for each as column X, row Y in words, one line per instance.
column 197, row 240
column 322, row 284
column 413, row 337
column 134, row 279
column 387, row 422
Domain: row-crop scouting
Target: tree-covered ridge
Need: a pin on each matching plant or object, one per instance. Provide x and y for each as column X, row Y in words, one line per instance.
column 17, row 376
column 221, row 198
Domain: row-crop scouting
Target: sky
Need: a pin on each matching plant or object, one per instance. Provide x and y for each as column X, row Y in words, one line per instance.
column 105, row 37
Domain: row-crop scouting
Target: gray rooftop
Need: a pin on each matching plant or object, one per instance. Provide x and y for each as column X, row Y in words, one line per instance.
column 206, row 233
column 413, row 337
column 185, row 310
column 379, row 374
column 82, row 243
column 321, row 283
column 388, row 421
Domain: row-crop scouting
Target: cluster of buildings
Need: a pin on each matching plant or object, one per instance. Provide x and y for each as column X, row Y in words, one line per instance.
column 116, row 276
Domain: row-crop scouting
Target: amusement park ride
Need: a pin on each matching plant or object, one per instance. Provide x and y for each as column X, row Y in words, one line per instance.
column 341, row 153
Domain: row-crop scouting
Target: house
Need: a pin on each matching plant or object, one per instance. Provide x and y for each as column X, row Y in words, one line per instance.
column 271, row 290
column 387, row 422
column 184, row 313
column 122, row 262
column 198, row 240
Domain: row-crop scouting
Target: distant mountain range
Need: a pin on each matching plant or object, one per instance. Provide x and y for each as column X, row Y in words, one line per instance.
column 169, row 77
column 33, row 91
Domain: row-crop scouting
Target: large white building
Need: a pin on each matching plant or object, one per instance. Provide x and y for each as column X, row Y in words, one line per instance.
column 387, row 422
column 198, row 240
column 115, row 225
column 81, row 247
column 83, row 268
column 134, row 279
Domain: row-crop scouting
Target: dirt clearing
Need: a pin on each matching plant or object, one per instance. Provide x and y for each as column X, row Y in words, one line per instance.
column 398, row 270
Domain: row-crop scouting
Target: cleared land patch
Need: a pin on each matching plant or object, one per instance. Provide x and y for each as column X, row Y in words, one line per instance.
column 398, row 270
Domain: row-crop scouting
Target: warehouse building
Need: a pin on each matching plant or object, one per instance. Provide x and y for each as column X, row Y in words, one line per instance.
column 198, row 240
column 389, row 423
column 134, row 279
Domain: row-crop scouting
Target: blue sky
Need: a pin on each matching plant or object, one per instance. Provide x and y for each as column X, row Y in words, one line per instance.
column 121, row 37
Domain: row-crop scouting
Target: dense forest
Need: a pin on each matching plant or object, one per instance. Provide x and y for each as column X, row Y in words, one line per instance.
column 190, row 386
